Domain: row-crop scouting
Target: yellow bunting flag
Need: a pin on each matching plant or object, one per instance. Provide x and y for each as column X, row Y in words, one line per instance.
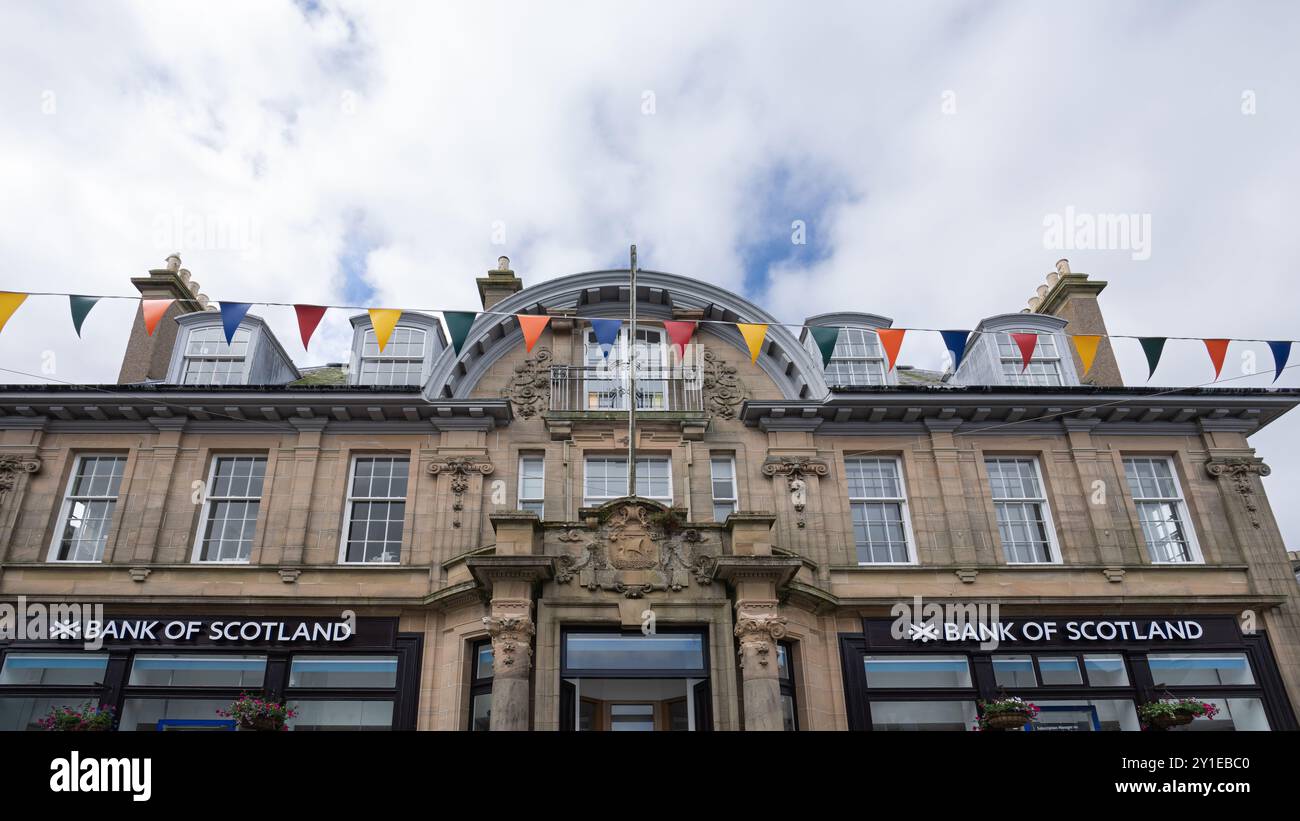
column 9, row 303
column 383, row 320
column 1086, row 346
column 754, row 335
column 532, row 326
column 153, row 310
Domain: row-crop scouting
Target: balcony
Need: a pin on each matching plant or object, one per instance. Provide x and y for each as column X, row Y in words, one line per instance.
column 589, row 389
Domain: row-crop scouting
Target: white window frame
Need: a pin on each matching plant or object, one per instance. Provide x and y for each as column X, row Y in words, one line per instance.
column 197, row 553
column 65, row 509
column 216, row 330
column 1020, row 375
column 1049, row 524
column 734, row 499
column 589, row 501
column 349, row 500
column 381, row 357
column 1184, row 513
column 904, row 509
column 874, row 359
column 535, row 500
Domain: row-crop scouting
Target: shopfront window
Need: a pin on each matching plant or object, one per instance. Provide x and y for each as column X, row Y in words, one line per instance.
column 341, row 715
column 923, row 715
column 1191, row 669
column 22, row 712
column 917, row 671
column 606, row 651
column 1106, row 670
column 163, row 713
column 76, row 669
column 1014, row 671
column 343, row 671
column 1234, row 714
column 176, row 670
column 1059, row 670
column 1086, row 715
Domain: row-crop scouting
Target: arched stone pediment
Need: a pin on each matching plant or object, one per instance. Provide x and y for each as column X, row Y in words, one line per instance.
column 660, row 296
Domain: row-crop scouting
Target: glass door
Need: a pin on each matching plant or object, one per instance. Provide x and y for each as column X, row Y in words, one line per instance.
column 621, row 682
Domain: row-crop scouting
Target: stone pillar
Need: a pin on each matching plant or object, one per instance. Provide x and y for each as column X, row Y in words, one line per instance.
column 511, row 628
column 759, row 626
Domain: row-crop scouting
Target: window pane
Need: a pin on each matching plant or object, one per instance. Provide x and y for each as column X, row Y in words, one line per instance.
column 1176, row 669
column 483, row 668
column 1059, row 670
column 787, row 713
column 343, row 671
column 1087, row 715
column 481, row 713
column 341, row 715
column 22, row 712
column 632, row 717
column 923, row 715
column 174, row 670
column 54, row 668
column 145, row 713
column 1234, row 714
column 595, row 651
column 917, row 671
column 1014, row 671
column 1106, row 670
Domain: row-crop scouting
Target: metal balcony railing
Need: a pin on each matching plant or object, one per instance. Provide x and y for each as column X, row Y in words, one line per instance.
column 585, row 388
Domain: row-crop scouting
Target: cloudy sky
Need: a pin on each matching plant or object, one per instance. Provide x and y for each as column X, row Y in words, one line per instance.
column 387, row 153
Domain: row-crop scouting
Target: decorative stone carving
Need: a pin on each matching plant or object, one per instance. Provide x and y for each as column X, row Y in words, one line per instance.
column 460, row 468
column 758, row 628
column 529, row 390
column 512, row 637
column 722, row 387
column 11, row 467
column 637, row 550
column 1113, row 574
column 967, row 574
column 1240, row 469
column 138, row 574
column 289, row 575
column 794, row 470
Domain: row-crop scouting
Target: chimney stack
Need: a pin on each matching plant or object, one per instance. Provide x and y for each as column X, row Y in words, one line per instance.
column 147, row 357
column 1073, row 297
column 499, row 284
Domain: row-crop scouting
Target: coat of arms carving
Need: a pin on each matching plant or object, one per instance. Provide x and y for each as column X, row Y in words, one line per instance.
column 639, row 547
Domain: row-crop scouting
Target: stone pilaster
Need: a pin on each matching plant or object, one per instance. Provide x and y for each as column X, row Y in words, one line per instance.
column 512, row 582
column 759, row 626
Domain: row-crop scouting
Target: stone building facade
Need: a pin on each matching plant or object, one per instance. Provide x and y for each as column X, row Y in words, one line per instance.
column 421, row 539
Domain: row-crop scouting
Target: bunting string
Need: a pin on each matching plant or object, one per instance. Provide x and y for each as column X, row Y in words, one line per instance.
column 680, row 333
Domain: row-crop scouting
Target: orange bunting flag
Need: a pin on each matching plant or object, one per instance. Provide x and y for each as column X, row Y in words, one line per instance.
column 1086, row 346
column 891, row 339
column 153, row 310
column 383, row 320
column 532, row 326
column 1217, row 349
column 1026, row 343
column 754, row 335
column 9, row 303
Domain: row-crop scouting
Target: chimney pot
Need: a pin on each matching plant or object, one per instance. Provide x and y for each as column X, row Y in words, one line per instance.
column 1062, row 266
column 1052, row 279
column 503, row 263
column 1041, row 291
column 174, row 262
column 1034, row 302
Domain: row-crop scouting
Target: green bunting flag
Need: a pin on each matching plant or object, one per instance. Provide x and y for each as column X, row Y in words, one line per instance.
column 458, row 325
column 825, row 336
column 1153, row 346
column 81, row 306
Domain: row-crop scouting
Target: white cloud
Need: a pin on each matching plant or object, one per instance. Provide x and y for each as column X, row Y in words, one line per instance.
column 275, row 130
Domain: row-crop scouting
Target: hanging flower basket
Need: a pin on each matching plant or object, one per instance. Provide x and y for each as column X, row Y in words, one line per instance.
column 1174, row 712
column 1006, row 714
column 88, row 718
column 256, row 714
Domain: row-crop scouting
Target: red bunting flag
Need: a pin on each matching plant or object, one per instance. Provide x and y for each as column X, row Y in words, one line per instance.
column 532, row 326
column 309, row 316
column 680, row 333
column 1217, row 349
column 891, row 339
column 1027, row 343
column 153, row 310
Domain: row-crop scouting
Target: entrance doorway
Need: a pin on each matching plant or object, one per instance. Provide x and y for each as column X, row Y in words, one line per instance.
column 629, row 682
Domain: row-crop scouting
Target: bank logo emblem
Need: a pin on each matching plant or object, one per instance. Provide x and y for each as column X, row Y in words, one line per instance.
column 923, row 632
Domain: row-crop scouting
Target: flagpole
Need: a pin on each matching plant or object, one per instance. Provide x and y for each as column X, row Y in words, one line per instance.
column 631, row 365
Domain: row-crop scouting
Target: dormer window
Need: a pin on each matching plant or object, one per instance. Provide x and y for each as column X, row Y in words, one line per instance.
column 210, row 361
column 400, row 363
column 857, row 360
column 1044, row 367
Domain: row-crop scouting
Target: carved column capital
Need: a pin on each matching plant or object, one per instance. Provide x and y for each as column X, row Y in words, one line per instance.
column 511, row 628
column 460, row 468
column 759, row 626
column 1240, row 470
column 795, row 469
column 13, row 465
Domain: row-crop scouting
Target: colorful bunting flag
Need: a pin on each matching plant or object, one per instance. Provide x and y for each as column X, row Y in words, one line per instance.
column 1086, row 346
column 232, row 313
column 458, row 325
column 1152, row 346
column 1217, row 349
column 754, row 334
column 1281, row 353
column 606, row 331
column 679, row 334
column 9, row 303
column 383, row 320
column 532, row 326
column 891, row 339
column 1027, row 343
column 825, row 336
column 153, row 310
column 955, row 342
column 81, row 306
column 309, row 316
